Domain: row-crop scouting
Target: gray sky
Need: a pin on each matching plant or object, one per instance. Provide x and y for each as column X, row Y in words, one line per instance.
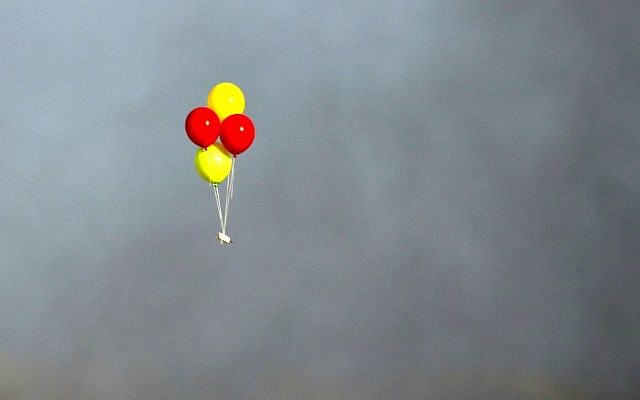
column 441, row 201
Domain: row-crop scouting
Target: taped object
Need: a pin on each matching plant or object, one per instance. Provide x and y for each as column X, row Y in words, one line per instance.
column 222, row 238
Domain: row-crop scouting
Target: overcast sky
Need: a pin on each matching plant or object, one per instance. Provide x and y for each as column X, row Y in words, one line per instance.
column 442, row 201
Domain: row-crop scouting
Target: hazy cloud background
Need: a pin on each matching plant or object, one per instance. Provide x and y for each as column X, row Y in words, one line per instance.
column 441, row 201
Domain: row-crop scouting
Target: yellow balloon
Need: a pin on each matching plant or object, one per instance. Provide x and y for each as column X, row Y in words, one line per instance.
column 213, row 163
column 226, row 99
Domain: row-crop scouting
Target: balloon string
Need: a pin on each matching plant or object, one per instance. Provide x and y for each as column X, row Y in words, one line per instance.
column 217, row 195
column 233, row 178
column 218, row 203
column 228, row 195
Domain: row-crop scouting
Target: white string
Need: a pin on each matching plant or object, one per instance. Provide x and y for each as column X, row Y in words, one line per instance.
column 233, row 177
column 217, row 195
column 228, row 195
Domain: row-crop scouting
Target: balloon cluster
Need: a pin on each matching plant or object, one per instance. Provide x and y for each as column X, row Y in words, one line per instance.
column 215, row 161
column 222, row 117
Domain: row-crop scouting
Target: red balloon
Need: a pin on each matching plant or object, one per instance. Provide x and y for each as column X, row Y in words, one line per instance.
column 202, row 126
column 237, row 133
